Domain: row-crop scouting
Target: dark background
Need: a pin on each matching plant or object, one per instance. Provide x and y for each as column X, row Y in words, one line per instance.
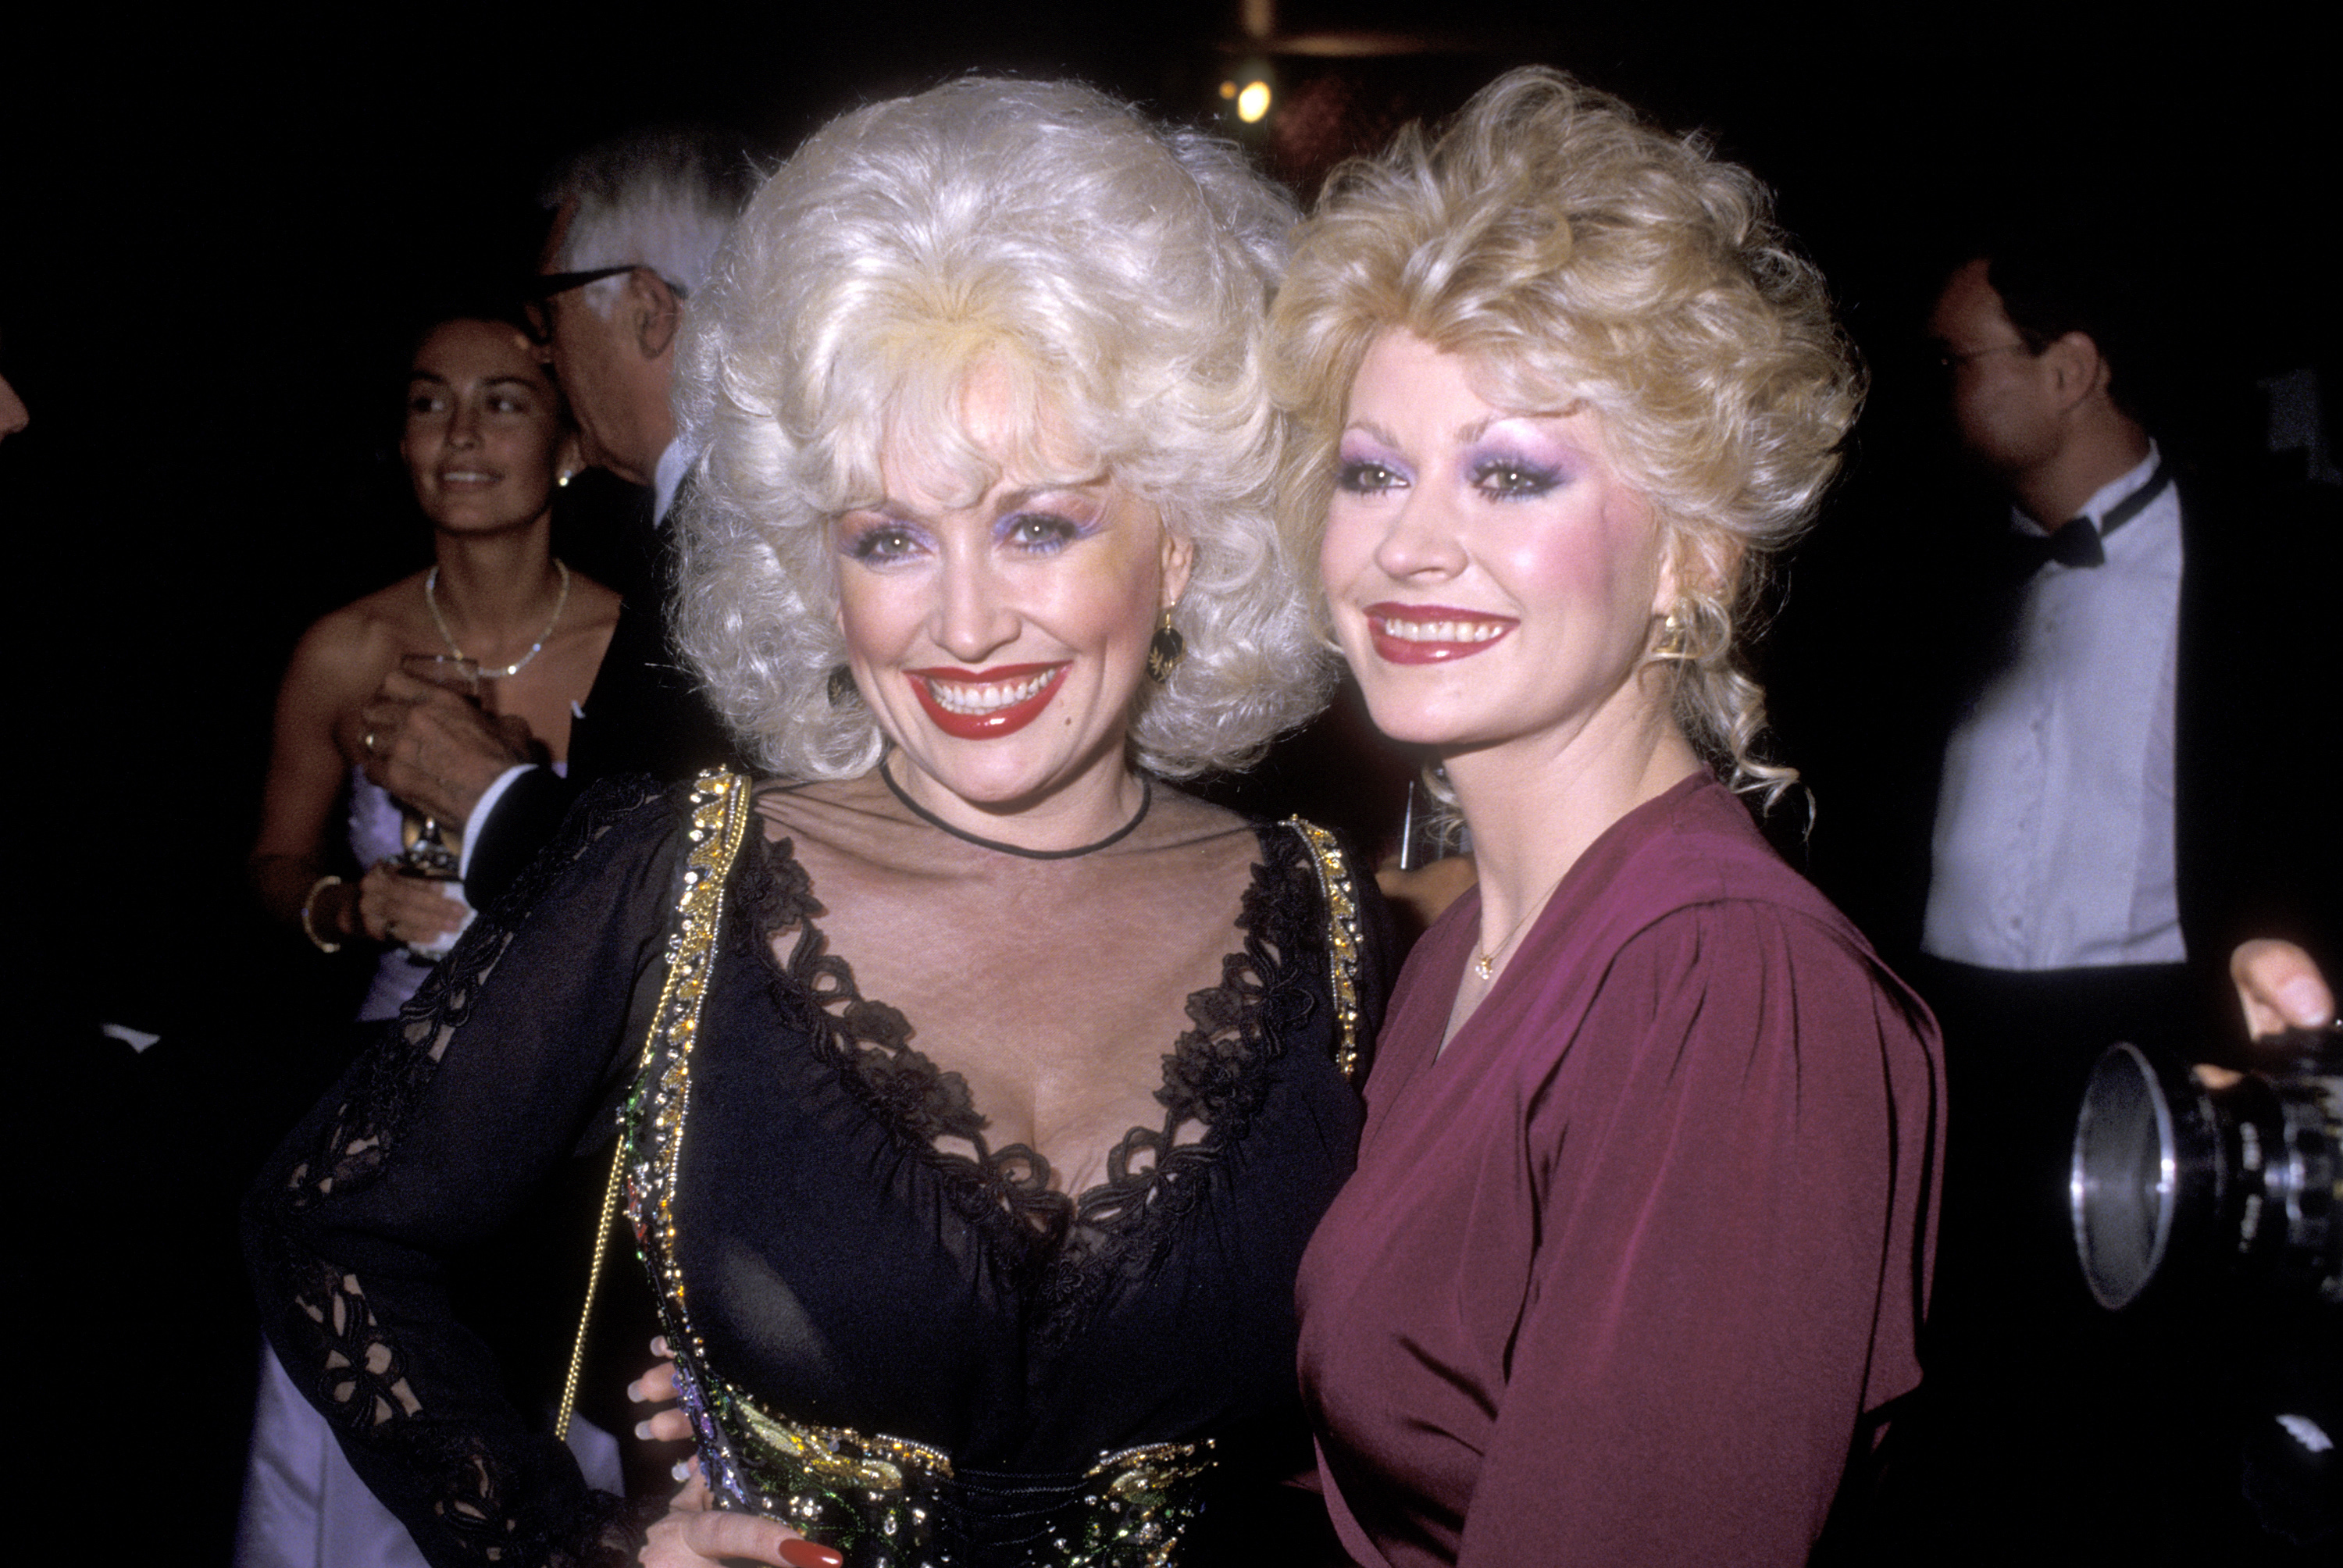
column 216, row 238
column 211, row 234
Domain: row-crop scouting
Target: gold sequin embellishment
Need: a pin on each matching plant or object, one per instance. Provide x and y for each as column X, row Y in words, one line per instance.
column 1342, row 941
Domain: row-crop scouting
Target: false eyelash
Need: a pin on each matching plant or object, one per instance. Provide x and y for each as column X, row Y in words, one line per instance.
column 1536, row 478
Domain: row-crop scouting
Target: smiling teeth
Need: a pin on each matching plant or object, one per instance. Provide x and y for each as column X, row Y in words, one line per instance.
column 1444, row 630
column 987, row 699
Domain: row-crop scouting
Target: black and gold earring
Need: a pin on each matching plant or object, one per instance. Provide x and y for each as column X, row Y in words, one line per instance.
column 1165, row 649
column 843, row 692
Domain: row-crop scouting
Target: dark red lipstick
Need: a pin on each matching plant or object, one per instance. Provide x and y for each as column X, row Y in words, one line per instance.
column 993, row 723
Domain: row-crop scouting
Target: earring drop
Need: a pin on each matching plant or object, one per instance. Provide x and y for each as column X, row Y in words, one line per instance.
column 1165, row 649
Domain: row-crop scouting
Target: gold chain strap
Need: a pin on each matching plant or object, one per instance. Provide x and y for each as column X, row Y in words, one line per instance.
column 593, row 1284
column 730, row 792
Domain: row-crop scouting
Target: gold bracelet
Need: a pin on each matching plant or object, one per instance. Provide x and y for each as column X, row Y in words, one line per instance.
column 309, row 926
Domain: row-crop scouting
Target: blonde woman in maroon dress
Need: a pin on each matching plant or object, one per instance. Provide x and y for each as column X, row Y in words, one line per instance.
column 1638, row 1243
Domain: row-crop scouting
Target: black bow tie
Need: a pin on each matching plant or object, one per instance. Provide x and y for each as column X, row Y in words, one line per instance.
column 2076, row 543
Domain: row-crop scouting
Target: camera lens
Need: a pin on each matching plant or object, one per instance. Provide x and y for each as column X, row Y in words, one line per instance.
column 2171, row 1178
column 2123, row 1186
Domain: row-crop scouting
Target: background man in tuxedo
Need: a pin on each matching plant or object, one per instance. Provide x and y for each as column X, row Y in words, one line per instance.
column 635, row 225
column 2116, row 811
column 2128, row 790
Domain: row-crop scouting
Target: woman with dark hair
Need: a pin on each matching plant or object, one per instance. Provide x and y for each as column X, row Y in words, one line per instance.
column 1637, row 1248
column 485, row 442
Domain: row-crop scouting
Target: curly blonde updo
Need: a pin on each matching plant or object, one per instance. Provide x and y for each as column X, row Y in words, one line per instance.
column 1118, row 273
column 1576, row 255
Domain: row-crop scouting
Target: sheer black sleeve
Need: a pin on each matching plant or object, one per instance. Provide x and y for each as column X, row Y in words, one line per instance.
column 508, row 1064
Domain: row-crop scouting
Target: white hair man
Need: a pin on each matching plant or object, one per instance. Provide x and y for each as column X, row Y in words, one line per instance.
column 636, row 227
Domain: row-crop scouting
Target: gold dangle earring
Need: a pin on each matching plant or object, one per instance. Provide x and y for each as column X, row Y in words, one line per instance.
column 1165, row 649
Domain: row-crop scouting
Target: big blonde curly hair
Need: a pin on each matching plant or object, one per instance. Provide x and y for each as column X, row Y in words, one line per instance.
column 1576, row 255
column 1119, row 273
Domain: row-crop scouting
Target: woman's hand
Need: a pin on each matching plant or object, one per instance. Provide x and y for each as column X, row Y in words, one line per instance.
column 657, row 1386
column 392, row 907
column 693, row 1532
column 693, row 1535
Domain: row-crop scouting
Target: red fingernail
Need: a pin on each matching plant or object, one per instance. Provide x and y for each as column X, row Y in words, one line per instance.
column 807, row 1554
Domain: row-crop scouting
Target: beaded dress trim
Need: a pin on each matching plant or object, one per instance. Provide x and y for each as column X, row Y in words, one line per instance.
column 1344, row 952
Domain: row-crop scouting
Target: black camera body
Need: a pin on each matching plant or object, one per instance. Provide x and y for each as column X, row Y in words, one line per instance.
column 2173, row 1179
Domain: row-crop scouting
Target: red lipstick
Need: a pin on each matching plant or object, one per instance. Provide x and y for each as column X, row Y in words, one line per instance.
column 1433, row 633
column 992, row 723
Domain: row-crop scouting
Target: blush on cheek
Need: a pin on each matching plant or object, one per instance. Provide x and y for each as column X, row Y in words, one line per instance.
column 1640, row 543
column 1342, row 549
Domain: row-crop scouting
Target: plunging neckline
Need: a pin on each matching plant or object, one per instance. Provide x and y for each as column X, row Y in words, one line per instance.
column 1210, row 1079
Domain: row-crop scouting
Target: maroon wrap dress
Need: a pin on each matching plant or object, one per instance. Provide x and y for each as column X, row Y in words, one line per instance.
column 1626, row 1271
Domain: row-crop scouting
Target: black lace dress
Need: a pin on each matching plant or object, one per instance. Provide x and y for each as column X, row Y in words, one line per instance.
column 916, row 1338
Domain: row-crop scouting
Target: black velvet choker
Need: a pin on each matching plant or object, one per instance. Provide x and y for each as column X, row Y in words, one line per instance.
column 1146, row 800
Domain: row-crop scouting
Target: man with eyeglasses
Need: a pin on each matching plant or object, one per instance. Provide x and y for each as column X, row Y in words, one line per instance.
column 2053, row 844
column 636, row 226
column 2121, row 802
column 2130, row 791
column 613, row 349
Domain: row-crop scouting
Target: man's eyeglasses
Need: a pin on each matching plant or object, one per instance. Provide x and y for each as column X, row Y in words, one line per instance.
column 1947, row 359
column 541, row 290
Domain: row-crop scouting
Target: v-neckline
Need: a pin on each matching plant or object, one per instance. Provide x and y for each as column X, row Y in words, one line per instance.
column 1561, row 895
column 1006, row 1189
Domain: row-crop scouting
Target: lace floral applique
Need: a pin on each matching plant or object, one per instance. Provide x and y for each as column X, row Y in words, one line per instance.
column 1214, row 1083
column 1265, row 1004
column 364, row 1127
column 351, row 1154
